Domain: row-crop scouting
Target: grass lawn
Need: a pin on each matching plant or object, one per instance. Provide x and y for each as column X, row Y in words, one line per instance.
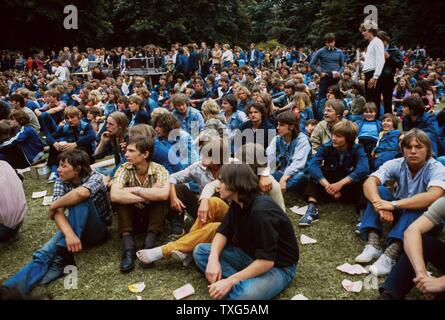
column 98, row 268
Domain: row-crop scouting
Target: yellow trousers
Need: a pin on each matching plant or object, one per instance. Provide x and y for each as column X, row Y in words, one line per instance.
column 200, row 232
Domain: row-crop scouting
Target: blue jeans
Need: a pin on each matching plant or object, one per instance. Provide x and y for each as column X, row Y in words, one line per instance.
column 402, row 219
column 297, row 181
column 263, row 287
column 400, row 281
column 7, row 233
column 86, row 224
column 48, row 124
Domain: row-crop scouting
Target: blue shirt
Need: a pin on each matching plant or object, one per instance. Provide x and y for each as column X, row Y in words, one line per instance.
column 432, row 174
column 192, row 118
column 369, row 129
column 330, row 60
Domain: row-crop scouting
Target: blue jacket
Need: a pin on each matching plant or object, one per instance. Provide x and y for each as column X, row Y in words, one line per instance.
column 28, row 140
column 263, row 140
column 242, row 105
column 256, row 56
column 282, row 100
column 388, row 142
column 428, row 123
column 187, row 122
column 141, row 116
column 109, row 109
column 150, row 105
column 168, row 153
column 355, row 163
column 307, row 114
column 83, row 135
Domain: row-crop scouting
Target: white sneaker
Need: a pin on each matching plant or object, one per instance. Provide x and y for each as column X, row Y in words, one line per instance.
column 52, row 177
column 382, row 266
column 368, row 254
column 185, row 258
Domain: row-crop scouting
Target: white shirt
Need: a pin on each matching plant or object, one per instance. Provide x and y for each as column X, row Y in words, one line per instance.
column 375, row 57
column 61, row 73
column 227, row 56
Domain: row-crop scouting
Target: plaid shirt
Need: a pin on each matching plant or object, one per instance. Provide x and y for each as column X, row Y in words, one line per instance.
column 99, row 194
column 126, row 177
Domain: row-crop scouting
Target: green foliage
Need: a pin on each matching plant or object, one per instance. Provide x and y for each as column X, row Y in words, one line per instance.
column 32, row 23
column 270, row 45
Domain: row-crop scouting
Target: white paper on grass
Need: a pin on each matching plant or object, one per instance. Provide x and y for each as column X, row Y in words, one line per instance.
column 299, row 297
column 304, row 239
column 352, row 269
column 300, row 211
column 47, row 200
column 22, row 171
column 184, row 292
column 350, row 286
column 39, row 194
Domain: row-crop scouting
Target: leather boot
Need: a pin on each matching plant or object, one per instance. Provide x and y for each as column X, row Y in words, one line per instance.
column 128, row 254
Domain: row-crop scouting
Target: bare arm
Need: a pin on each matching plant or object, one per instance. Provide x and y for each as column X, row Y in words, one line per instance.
column 155, row 193
column 70, row 199
column 422, row 200
column 370, row 189
column 123, row 196
column 412, row 241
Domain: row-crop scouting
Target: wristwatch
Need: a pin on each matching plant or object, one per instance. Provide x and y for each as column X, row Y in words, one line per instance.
column 394, row 205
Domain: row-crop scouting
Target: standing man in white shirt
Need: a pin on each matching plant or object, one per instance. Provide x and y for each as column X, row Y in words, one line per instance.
column 374, row 62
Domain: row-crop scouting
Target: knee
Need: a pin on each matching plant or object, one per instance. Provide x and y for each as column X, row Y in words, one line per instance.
column 80, row 208
column 201, row 250
column 216, row 204
column 385, row 193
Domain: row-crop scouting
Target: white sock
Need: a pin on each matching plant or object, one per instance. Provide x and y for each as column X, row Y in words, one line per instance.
column 150, row 255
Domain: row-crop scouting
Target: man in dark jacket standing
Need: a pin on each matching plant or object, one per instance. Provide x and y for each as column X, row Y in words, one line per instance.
column 393, row 61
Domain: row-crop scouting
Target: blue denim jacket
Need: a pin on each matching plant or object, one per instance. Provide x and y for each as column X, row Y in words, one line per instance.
column 355, row 163
column 187, row 122
column 388, row 142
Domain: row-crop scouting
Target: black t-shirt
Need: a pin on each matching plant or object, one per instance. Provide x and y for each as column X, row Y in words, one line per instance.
column 262, row 230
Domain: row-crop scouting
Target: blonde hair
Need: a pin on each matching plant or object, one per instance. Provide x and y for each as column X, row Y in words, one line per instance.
column 141, row 131
column 301, row 100
column 157, row 112
column 210, row 109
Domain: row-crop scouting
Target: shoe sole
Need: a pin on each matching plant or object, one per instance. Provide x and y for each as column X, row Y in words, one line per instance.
column 307, row 224
column 127, row 270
